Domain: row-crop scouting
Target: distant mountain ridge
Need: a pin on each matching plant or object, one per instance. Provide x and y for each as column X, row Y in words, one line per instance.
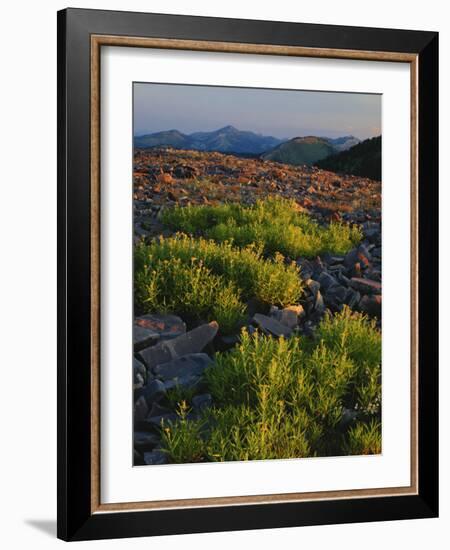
column 343, row 143
column 224, row 140
column 363, row 159
column 301, row 150
column 233, row 141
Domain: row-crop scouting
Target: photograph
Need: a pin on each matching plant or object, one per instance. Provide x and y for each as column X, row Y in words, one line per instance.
column 257, row 274
column 247, row 272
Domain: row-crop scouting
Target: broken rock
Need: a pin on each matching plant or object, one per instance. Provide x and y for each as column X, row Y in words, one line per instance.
column 365, row 286
column 271, row 325
column 193, row 341
column 193, row 364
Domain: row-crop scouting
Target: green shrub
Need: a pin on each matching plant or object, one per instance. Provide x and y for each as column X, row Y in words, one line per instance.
column 364, row 439
column 191, row 290
column 279, row 398
column 356, row 335
column 242, row 433
column 200, row 278
column 274, row 224
column 353, row 333
column 181, row 441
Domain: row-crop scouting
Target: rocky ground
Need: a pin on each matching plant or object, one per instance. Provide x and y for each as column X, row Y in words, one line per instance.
column 166, row 353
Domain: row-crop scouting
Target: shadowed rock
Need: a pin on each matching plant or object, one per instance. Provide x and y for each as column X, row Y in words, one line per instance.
column 193, row 341
column 287, row 316
column 140, row 409
column 155, row 457
column 202, row 401
column 143, row 337
column 371, row 304
column 272, row 326
column 139, row 374
column 149, row 329
column 365, row 286
column 153, row 392
column 145, row 441
column 190, row 365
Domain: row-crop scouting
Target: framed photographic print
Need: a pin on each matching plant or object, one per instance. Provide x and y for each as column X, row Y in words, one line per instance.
column 247, row 274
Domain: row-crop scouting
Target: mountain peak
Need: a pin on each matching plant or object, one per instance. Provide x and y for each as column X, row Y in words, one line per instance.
column 228, row 128
column 227, row 139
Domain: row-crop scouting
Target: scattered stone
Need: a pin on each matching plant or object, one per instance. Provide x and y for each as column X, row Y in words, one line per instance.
column 336, row 260
column 186, row 382
column 193, row 341
column 158, row 171
column 138, row 376
column 138, row 459
column 271, row 326
column 288, row 316
column 193, row 364
column 374, row 274
column 326, row 280
column 140, row 409
column 371, row 232
column 160, row 415
column 365, row 286
column 154, row 392
column 337, row 293
column 343, row 279
column 138, row 381
column 376, row 252
column 353, row 298
column 306, row 269
column 143, row 337
column 371, row 304
column 363, row 260
column 356, row 271
column 165, row 178
column 139, row 368
column 145, row 441
column 158, row 410
column 202, row 401
column 319, row 304
column 155, row 457
column 318, row 267
column 313, row 286
column 165, row 326
column 351, row 258
column 226, row 341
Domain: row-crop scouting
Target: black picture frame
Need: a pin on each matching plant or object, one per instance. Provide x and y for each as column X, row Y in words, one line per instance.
column 75, row 518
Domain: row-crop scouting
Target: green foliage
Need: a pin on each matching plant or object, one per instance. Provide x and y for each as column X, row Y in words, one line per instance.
column 301, row 150
column 191, row 290
column 279, row 398
column 205, row 280
column 181, row 441
column 275, row 225
column 364, row 439
column 243, row 433
column 356, row 336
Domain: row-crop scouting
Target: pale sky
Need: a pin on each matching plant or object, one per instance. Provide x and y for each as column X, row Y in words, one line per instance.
column 279, row 113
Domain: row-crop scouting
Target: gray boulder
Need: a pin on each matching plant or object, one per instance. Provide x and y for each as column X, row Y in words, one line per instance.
column 193, row 364
column 145, row 441
column 149, row 329
column 193, row 341
column 271, row 325
column 155, row 457
column 143, row 337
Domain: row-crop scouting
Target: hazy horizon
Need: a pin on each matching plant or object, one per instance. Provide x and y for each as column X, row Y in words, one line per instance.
column 280, row 113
